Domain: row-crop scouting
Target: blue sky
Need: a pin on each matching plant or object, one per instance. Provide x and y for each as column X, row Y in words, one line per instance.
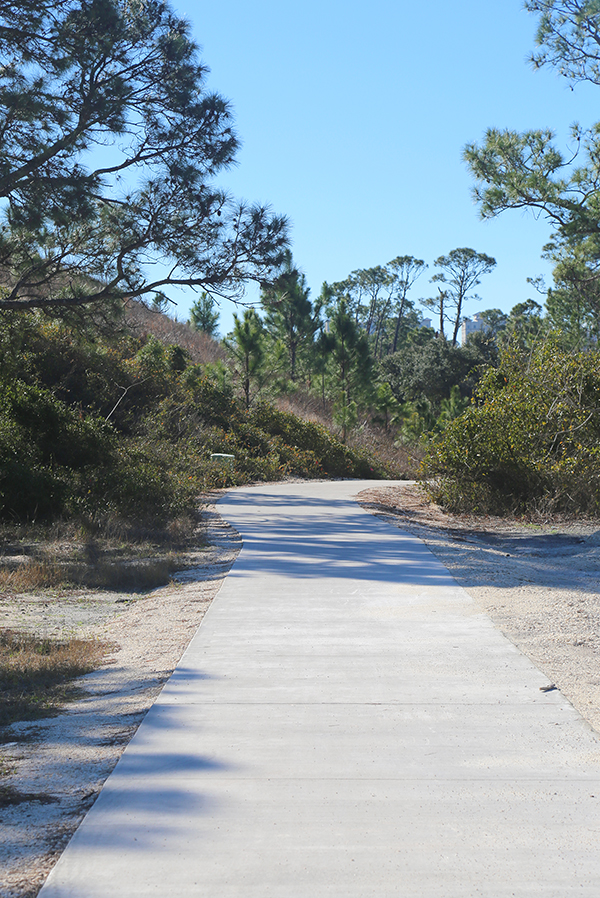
column 353, row 117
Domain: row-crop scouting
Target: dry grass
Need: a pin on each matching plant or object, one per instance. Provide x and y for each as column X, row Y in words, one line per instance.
column 202, row 348
column 403, row 462
column 28, row 576
column 411, row 505
column 36, row 675
column 122, row 575
column 113, row 557
column 109, row 573
column 307, row 406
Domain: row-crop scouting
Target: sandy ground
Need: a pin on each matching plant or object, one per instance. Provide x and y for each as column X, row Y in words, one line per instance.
column 59, row 765
column 539, row 584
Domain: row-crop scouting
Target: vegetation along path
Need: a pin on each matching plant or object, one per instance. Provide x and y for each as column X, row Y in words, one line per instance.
column 346, row 721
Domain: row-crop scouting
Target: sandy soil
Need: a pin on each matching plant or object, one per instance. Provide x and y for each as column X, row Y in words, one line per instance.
column 539, row 584
column 59, row 765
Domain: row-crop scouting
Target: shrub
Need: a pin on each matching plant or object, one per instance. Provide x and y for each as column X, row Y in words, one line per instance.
column 46, row 448
column 336, row 459
column 152, row 482
column 97, row 428
column 530, row 440
column 213, row 401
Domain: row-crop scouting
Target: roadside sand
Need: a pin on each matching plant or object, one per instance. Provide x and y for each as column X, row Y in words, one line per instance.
column 540, row 585
column 60, row 764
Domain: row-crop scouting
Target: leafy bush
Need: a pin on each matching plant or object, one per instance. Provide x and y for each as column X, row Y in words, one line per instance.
column 426, row 373
column 336, row 459
column 213, row 401
column 529, row 441
column 113, row 428
column 46, row 448
column 150, row 482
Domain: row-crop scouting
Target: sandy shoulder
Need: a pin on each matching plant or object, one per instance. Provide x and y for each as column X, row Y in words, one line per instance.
column 539, row 584
column 59, row 765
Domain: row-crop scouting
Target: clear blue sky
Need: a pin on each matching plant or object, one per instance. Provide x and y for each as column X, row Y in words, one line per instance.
column 353, row 117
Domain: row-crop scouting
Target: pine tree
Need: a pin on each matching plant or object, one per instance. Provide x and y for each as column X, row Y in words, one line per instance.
column 83, row 225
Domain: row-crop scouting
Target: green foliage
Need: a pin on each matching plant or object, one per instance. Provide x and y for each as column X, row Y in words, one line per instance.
column 525, row 325
column 80, row 227
column 151, row 482
column 427, row 371
column 349, row 365
column 460, row 273
column 386, row 404
column 494, row 321
column 47, row 451
column 530, row 441
column 573, row 304
column 203, row 316
column 345, row 414
column 516, row 170
column 451, row 408
column 568, row 37
column 334, row 458
column 377, row 299
column 291, row 319
column 246, row 346
column 105, row 430
column 415, row 421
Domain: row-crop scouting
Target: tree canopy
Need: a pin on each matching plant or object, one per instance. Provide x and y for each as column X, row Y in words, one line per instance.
column 290, row 317
column 568, row 37
column 460, row 273
column 377, row 299
column 203, row 316
column 516, row 170
column 246, row 345
column 111, row 145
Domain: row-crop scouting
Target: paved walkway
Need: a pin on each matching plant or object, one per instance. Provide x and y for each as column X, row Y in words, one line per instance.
column 346, row 723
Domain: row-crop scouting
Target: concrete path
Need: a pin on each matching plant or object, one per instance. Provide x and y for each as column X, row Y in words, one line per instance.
column 346, row 723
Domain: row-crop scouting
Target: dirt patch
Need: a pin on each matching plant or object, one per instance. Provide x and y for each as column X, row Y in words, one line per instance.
column 53, row 769
column 540, row 583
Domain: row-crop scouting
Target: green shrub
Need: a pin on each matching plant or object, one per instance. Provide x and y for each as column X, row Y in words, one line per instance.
column 112, row 428
column 336, row 459
column 530, row 440
column 213, row 401
column 151, row 482
column 46, row 448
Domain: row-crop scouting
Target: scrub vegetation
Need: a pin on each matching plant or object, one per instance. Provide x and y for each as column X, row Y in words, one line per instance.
column 102, row 429
column 36, row 674
column 529, row 443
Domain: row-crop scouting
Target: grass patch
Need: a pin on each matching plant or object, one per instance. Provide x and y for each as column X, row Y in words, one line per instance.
column 108, row 556
column 111, row 574
column 28, row 576
column 122, row 575
column 36, row 675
